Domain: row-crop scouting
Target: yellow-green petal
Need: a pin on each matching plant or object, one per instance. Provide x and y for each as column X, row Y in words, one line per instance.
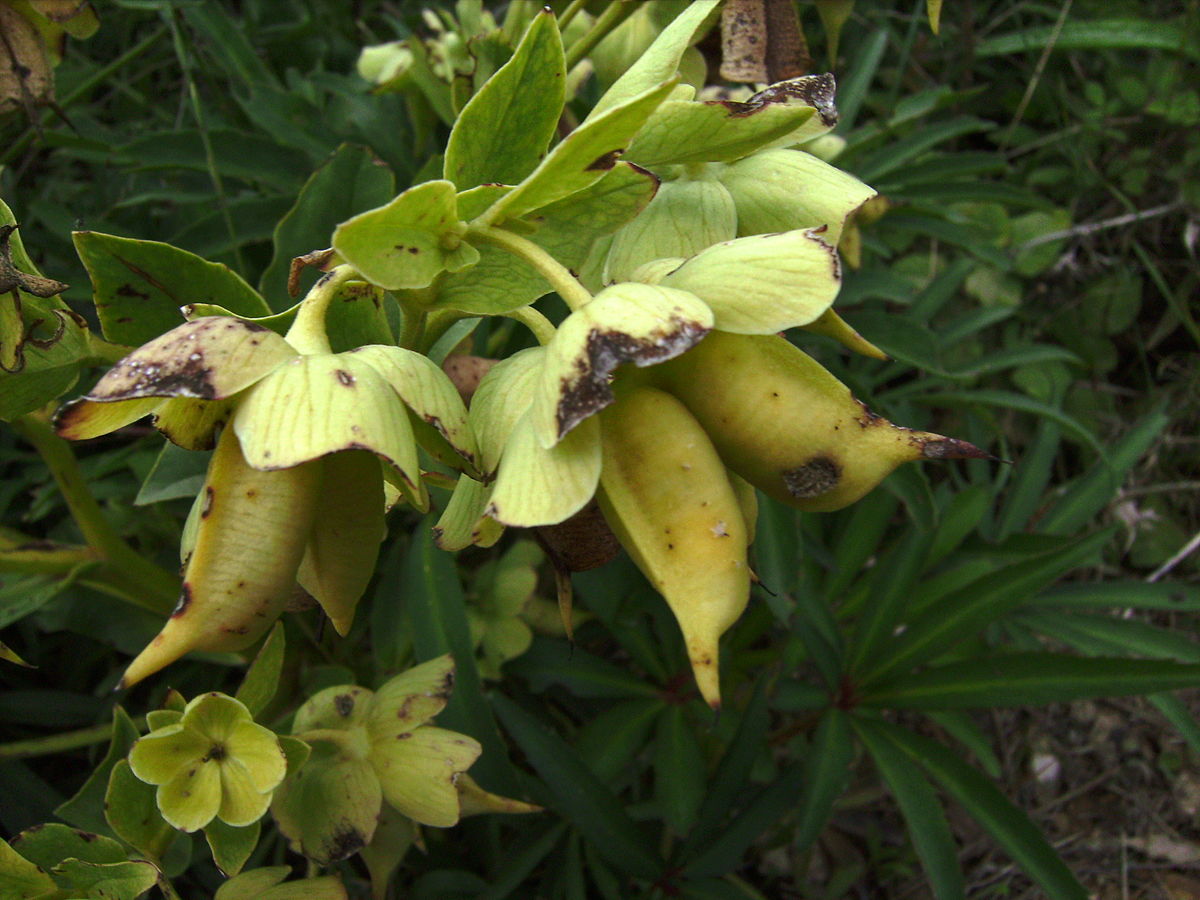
column 417, row 772
column 257, row 749
column 214, row 715
column 344, row 706
column 190, row 800
column 411, row 698
column 317, row 405
column 539, row 486
column 639, row 323
column 159, row 756
column 499, row 402
column 82, row 419
column 349, row 525
column 427, row 391
column 241, row 803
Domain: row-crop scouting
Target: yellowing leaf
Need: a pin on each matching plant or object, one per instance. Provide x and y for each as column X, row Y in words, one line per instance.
column 418, row 772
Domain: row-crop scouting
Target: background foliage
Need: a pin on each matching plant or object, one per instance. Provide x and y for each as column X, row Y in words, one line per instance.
column 1034, row 283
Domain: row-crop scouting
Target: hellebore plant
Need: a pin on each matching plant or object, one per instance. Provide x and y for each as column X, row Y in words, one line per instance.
column 296, row 489
column 213, row 762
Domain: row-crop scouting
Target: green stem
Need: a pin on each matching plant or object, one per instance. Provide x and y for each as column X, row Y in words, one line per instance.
column 210, row 157
column 613, row 15
column 542, row 328
column 573, row 293
column 157, row 589
column 307, row 333
column 59, row 743
column 412, row 329
column 572, row 10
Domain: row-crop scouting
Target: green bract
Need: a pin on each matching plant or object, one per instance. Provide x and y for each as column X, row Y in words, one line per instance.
column 328, row 419
column 215, row 762
column 370, row 747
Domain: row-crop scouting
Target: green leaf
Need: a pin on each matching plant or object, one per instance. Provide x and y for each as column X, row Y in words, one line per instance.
column 687, row 131
column 611, row 741
column 962, row 728
column 131, row 808
column 567, row 229
column 1110, row 594
column 1097, row 34
column 549, row 661
column 503, row 132
column 408, row 242
column 268, row 884
column 582, row 158
column 899, row 152
column 725, row 852
column 262, row 678
column 498, row 283
column 139, row 286
column 19, row 878
column 112, row 881
column 231, row 846
column 1108, row 634
column 176, row 473
column 48, row 845
column 1080, row 502
column 437, row 610
column 1011, row 828
column 21, row 597
column 680, row 780
column 927, row 826
column 659, row 62
column 826, row 774
column 86, row 808
column 579, row 796
column 519, row 865
column 1014, row 401
column 968, row 610
column 891, row 582
column 351, row 181
column 732, row 776
column 1026, row 679
column 50, row 346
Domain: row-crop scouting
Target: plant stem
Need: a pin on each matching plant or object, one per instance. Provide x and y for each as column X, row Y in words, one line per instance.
column 570, row 12
column 573, row 293
column 613, row 15
column 307, row 334
column 59, row 743
column 157, row 589
column 210, row 157
column 543, row 329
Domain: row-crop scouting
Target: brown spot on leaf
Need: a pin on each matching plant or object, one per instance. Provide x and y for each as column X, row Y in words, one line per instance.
column 128, row 290
column 605, row 161
column 588, row 391
column 951, row 448
column 209, row 495
column 345, row 377
column 344, row 704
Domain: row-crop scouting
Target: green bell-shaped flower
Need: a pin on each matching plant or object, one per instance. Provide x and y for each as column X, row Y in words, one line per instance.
column 371, row 747
column 214, row 762
column 297, row 490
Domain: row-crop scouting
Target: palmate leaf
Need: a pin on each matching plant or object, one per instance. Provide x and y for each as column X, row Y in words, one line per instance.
column 1025, row 679
column 969, row 609
column 1010, row 827
column 733, row 771
column 580, row 796
column 503, row 132
column 927, row 825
